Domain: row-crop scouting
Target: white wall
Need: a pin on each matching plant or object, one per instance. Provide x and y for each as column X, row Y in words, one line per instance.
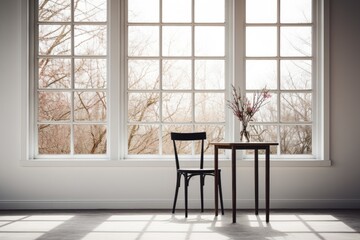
column 146, row 187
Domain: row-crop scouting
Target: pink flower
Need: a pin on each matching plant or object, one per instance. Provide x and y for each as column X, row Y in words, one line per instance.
column 266, row 94
column 243, row 108
column 249, row 110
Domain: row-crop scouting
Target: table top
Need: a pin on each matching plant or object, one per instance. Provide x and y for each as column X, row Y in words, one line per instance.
column 244, row 144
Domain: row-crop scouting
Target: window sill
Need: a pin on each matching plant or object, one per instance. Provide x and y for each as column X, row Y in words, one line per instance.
column 224, row 163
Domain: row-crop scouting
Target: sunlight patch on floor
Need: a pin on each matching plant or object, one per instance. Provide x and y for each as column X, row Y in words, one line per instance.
column 309, row 227
column 296, row 236
column 20, row 236
column 177, row 227
column 121, row 226
column 12, row 218
column 49, row 218
column 326, row 226
column 130, row 217
column 289, row 227
column 30, row 226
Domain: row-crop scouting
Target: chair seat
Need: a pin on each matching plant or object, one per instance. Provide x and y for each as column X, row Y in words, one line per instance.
column 197, row 170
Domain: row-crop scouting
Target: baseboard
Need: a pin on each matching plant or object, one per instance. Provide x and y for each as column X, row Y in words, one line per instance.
column 167, row 204
column 87, row 204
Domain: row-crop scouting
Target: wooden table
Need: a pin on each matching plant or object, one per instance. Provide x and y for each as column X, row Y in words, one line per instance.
column 256, row 146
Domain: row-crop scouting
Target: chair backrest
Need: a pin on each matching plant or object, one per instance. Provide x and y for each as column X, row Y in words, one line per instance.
column 195, row 136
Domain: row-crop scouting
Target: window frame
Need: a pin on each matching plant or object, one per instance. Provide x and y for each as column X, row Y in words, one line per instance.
column 116, row 102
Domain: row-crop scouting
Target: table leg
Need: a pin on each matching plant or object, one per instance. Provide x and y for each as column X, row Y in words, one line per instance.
column 233, row 168
column 216, row 180
column 267, row 183
column 256, row 174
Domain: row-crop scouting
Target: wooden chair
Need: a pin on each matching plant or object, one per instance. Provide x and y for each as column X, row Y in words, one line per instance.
column 188, row 173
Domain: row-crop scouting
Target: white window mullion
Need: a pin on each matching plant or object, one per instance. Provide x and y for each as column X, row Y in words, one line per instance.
column 161, row 59
column 72, row 135
column 34, row 66
column 278, row 70
column 120, row 100
column 72, row 107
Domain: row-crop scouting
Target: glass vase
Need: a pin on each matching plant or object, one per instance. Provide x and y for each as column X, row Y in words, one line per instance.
column 244, row 133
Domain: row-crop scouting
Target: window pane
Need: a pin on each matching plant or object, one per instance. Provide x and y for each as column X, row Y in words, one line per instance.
column 90, row 73
column 143, row 107
column 295, row 41
column 295, row 74
column 209, row 41
column 209, row 107
column 176, row 74
column 296, row 107
column 143, row 10
column 54, row 73
column 177, row 107
column 261, row 11
column 143, row 74
column 54, row 139
column 176, row 10
column 261, row 41
column 54, row 11
column 143, row 41
column 90, row 106
column 210, row 74
column 54, row 40
column 268, row 112
column 296, row 139
column 54, row 106
column 295, row 11
column 183, row 147
column 176, row 41
column 143, row 139
column 264, row 133
column 90, row 40
column 210, row 11
column 90, row 11
column 214, row 133
column 260, row 74
column 90, row 139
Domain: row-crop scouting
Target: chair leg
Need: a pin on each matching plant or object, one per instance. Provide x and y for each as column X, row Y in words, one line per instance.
column 176, row 191
column 221, row 196
column 202, row 178
column 186, row 194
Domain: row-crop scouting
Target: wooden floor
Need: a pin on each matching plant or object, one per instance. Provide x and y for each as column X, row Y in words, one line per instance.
column 161, row 224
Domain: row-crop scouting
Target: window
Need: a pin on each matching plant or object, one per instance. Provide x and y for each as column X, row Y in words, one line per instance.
column 70, row 77
column 111, row 79
column 279, row 55
column 176, row 72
